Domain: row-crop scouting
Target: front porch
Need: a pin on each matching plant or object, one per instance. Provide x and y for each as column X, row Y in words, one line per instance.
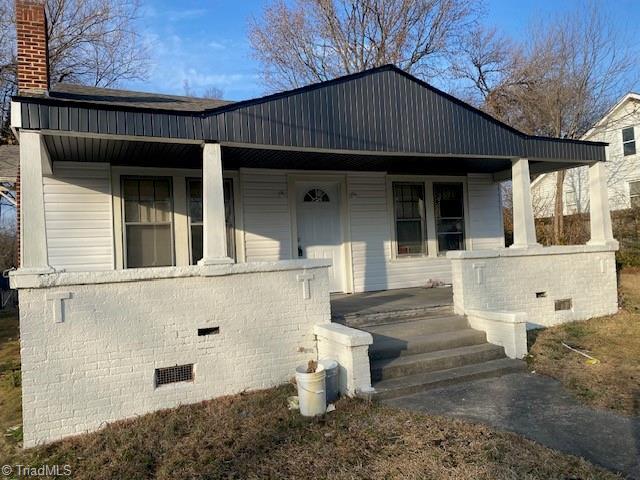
column 354, row 308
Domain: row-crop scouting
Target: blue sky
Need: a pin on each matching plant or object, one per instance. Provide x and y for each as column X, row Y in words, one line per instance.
column 205, row 42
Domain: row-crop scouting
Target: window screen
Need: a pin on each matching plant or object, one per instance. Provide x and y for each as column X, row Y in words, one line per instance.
column 628, row 141
column 194, row 196
column 148, row 222
column 449, row 212
column 408, row 199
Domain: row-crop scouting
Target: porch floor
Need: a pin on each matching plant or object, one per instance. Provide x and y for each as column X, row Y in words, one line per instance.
column 386, row 301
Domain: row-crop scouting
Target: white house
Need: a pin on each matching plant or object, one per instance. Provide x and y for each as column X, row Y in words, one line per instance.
column 174, row 249
column 620, row 128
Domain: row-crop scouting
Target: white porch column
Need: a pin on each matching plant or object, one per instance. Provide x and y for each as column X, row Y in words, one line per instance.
column 213, row 218
column 34, row 159
column 600, row 216
column 524, row 229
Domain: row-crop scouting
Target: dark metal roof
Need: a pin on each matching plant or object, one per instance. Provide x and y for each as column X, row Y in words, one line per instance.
column 126, row 98
column 383, row 110
column 9, row 161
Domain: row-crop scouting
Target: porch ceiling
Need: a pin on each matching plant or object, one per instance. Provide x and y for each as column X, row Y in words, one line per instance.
column 167, row 154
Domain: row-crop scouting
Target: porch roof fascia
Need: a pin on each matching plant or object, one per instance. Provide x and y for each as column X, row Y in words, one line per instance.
column 387, row 120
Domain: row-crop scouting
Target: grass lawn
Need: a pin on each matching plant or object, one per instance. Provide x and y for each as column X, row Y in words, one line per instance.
column 10, row 399
column 255, row 436
column 614, row 383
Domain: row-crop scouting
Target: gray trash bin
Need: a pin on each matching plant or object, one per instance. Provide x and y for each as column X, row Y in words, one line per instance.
column 331, row 382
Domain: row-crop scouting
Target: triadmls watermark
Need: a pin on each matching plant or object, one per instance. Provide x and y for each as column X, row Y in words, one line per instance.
column 36, row 472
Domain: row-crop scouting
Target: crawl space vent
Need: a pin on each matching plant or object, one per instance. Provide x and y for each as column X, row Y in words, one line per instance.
column 179, row 373
column 564, row 304
column 208, row 331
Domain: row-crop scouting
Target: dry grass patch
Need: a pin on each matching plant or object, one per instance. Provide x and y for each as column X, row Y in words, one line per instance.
column 10, row 392
column 255, row 436
column 614, row 383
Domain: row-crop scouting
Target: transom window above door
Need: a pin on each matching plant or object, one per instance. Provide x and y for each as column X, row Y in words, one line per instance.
column 148, row 222
column 316, row 195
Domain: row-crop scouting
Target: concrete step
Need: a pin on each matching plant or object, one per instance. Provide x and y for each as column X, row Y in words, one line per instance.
column 407, row 385
column 421, row 325
column 384, row 369
column 401, row 344
column 359, row 320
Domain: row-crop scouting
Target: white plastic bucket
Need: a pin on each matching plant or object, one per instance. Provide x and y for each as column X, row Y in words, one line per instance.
column 331, row 379
column 311, row 391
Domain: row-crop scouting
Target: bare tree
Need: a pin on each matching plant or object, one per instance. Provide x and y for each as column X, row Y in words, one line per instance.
column 92, row 42
column 482, row 61
column 209, row 92
column 315, row 40
column 213, row 92
column 558, row 82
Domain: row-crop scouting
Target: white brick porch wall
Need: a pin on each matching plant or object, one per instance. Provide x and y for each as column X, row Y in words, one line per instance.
column 98, row 364
column 507, row 280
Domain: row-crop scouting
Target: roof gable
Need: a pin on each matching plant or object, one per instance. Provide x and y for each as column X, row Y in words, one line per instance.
column 630, row 97
column 382, row 109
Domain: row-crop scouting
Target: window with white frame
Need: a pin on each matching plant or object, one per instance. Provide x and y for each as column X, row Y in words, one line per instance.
column 628, row 141
column 148, row 221
column 634, row 193
column 194, row 201
column 448, row 199
column 408, row 203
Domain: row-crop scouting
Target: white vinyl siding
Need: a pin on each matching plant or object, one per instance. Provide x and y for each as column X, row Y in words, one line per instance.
column 370, row 231
column 485, row 212
column 371, row 224
column 267, row 225
column 80, row 233
column 78, row 216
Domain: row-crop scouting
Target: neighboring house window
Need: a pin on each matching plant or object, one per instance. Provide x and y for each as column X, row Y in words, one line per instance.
column 570, row 201
column 449, row 210
column 408, row 200
column 194, row 198
column 148, row 222
column 628, row 141
column 634, row 193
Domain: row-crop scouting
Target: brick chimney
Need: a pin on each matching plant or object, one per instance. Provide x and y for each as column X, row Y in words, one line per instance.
column 33, row 55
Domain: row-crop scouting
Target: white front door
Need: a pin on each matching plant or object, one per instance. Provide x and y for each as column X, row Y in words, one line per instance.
column 320, row 228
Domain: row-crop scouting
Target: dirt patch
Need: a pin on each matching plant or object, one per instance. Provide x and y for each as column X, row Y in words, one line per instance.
column 614, row 383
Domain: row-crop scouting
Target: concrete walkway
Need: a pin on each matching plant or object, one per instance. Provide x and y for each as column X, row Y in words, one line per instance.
column 539, row 408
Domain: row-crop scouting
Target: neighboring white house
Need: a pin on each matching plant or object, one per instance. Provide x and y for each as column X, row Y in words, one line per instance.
column 175, row 249
column 620, row 128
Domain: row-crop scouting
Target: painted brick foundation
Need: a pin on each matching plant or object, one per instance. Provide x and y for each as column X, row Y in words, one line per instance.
column 97, row 364
column 531, row 280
